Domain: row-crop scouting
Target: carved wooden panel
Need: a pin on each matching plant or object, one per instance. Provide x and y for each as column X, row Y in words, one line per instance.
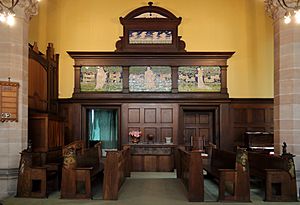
column 189, row 132
column 204, row 133
column 37, row 86
column 9, row 101
column 165, row 132
column 240, row 115
column 160, row 120
column 43, row 79
column 197, row 124
column 256, row 117
column 150, row 131
column 150, row 163
column 46, row 132
column 190, row 118
column 137, row 162
column 150, row 115
column 167, row 115
column 204, row 119
column 134, row 115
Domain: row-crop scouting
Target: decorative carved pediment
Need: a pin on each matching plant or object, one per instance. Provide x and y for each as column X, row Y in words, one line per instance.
column 150, row 29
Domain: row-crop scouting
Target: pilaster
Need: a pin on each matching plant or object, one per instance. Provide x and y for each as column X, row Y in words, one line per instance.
column 14, row 64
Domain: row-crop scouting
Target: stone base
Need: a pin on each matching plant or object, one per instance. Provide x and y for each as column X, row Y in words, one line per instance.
column 8, row 182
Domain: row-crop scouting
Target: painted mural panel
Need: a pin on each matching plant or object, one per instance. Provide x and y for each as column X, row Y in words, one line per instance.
column 150, row 37
column 101, row 79
column 150, row 79
column 199, row 79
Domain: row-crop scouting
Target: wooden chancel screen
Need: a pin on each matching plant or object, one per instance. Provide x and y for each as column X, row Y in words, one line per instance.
column 152, row 83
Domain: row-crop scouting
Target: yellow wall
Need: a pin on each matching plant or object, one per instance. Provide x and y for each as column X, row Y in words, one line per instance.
column 214, row 25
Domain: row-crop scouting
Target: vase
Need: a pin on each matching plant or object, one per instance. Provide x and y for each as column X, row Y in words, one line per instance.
column 168, row 140
column 135, row 139
column 150, row 138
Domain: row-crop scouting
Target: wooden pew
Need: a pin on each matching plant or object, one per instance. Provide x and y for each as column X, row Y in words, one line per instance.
column 278, row 173
column 38, row 174
column 79, row 168
column 231, row 171
column 189, row 169
column 116, row 169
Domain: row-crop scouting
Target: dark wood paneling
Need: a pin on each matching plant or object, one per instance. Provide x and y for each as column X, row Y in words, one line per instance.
column 250, row 115
column 231, row 118
column 150, row 131
column 159, row 119
column 165, row 132
column 199, row 124
column 46, row 132
column 43, row 80
column 166, row 115
column 134, row 115
column 150, row 115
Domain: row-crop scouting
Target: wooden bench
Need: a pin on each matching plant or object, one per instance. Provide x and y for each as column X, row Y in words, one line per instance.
column 38, row 174
column 116, row 169
column 79, row 168
column 231, row 172
column 189, row 169
column 278, row 173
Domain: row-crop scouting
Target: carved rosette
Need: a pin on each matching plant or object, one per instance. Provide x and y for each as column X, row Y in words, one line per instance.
column 30, row 8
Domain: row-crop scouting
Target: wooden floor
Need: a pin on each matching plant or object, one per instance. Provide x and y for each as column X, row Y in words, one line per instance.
column 143, row 189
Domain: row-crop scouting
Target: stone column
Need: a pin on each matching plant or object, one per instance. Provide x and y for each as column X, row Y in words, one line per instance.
column 14, row 64
column 286, row 83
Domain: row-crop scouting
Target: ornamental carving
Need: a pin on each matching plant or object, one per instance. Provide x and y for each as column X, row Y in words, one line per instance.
column 30, row 7
column 271, row 8
column 274, row 9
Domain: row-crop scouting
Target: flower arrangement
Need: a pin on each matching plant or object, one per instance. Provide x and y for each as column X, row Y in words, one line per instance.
column 135, row 136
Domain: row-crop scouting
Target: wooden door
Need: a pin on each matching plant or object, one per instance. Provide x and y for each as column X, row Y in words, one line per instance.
column 198, row 127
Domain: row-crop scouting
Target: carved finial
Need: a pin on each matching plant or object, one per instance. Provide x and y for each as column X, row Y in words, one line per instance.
column 9, row 79
column 35, row 47
column 150, row 3
column 284, row 148
column 50, row 51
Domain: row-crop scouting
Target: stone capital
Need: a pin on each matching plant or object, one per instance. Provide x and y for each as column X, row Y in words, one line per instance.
column 276, row 9
column 27, row 8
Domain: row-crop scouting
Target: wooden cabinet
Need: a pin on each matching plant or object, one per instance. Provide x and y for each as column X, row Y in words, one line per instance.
column 45, row 132
column 152, row 157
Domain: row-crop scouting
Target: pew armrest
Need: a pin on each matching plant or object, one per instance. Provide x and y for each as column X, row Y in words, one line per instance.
column 83, row 168
column 227, row 170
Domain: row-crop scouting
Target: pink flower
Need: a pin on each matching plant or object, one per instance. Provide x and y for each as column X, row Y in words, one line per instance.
column 135, row 133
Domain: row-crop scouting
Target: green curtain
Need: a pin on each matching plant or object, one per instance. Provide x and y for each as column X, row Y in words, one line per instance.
column 103, row 127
